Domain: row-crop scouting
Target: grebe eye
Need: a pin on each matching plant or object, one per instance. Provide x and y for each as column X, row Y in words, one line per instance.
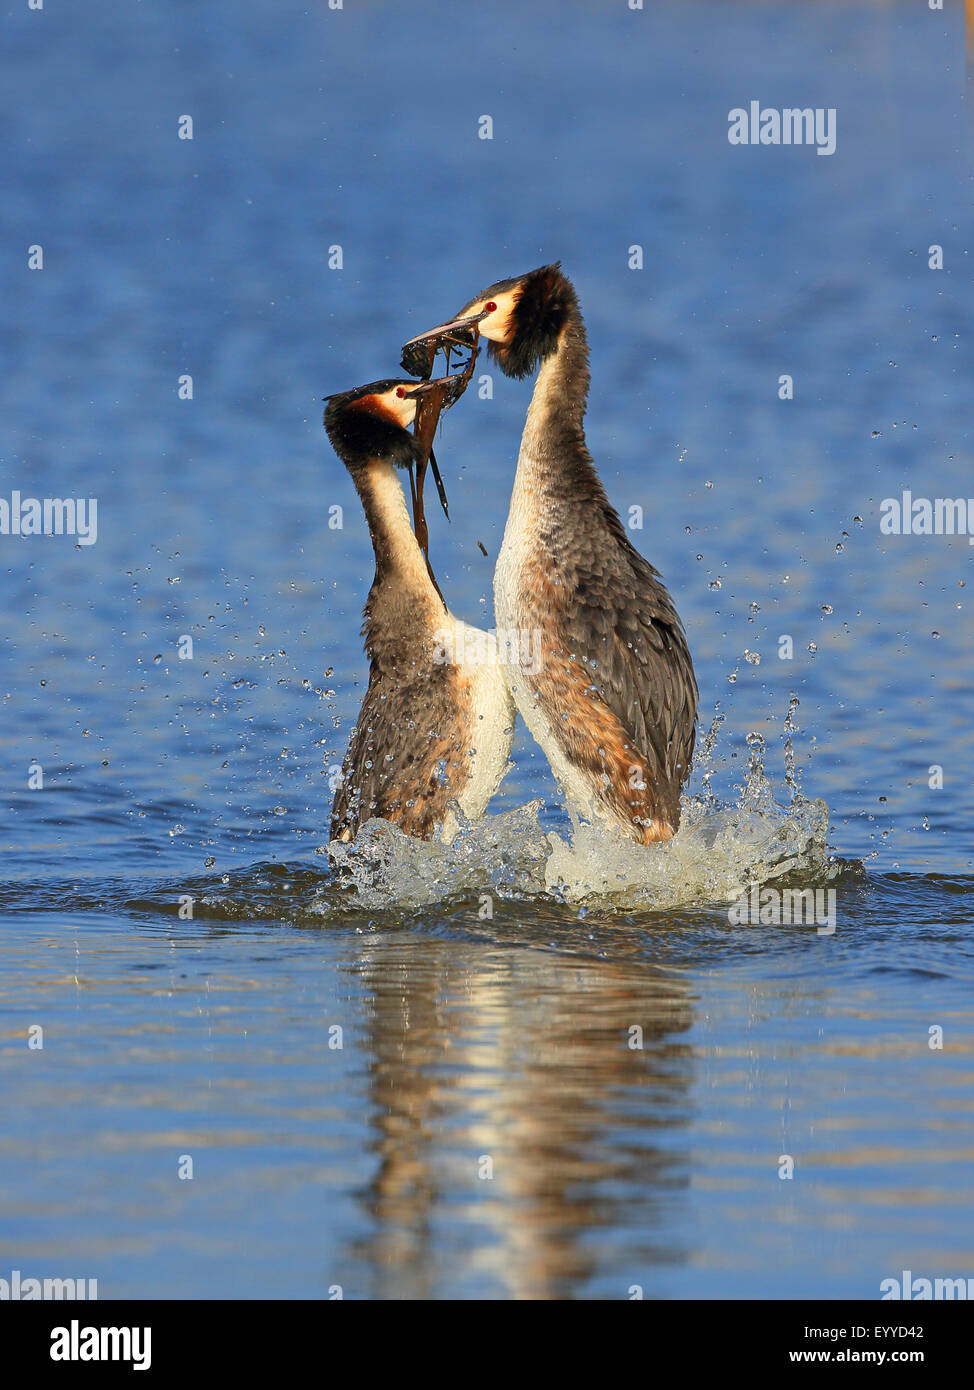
column 401, row 392
column 489, row 307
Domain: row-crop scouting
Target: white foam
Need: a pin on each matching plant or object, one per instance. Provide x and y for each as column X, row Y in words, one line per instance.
column 717, row 854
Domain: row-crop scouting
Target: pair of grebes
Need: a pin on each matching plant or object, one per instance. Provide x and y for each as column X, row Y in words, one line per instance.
column 608, row 690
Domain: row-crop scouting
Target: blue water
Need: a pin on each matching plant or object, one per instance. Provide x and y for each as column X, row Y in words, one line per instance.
column 466, row 1038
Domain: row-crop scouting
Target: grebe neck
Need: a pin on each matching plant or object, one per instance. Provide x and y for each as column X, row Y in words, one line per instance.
column 554, row 457
column 399, row 562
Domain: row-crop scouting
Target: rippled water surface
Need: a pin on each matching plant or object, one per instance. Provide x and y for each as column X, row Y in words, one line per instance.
column 533, row 1065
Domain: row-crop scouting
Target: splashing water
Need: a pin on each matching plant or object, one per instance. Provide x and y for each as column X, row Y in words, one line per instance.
column 504, row 854
column 718, row 853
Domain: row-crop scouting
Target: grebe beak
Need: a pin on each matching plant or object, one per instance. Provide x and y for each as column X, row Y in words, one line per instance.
column 419, row 353
column 447, row 386
column 432, row 397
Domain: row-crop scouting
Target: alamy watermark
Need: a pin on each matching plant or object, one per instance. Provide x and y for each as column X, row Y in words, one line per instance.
column 785, row 907
column 77, row 1343
column 18, row 1289
column 925, row 516
column 792, row 125
column 911, row 1289
column 518, row 647
column 50, row 516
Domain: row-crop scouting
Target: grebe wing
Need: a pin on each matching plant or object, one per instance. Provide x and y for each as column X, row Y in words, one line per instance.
column 402, row 763
column 621, row 617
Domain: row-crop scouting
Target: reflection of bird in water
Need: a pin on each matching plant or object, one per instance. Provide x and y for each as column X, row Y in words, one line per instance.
column 436, row 723
column 614, row 701
column 475, row 1052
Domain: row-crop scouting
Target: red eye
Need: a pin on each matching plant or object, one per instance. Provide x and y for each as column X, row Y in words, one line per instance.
column 489, row 307
column 401, row 392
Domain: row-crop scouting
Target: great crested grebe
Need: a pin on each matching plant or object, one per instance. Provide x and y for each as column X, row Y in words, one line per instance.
column 435, row 725
column 613, row 702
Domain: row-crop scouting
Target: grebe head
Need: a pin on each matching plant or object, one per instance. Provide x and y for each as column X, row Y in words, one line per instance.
column 374, row 421
column 521, row 319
